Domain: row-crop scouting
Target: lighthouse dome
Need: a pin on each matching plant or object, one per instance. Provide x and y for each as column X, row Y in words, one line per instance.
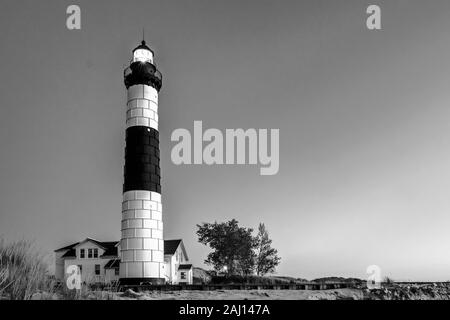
column 143, row 53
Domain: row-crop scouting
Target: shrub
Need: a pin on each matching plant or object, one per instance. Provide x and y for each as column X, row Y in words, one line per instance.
column 388, row 281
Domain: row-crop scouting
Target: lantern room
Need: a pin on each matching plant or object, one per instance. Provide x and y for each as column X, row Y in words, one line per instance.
column 143, row 53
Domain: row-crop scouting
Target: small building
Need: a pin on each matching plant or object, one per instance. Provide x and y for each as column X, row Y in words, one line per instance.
column 185, row 273
column 99, row 261
column 175, row 262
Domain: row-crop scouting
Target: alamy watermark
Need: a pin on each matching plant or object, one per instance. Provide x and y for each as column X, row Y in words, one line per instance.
column 373, row 22
column 374, row 277
column 73, row 280
column 236, row 146
column 73, row 20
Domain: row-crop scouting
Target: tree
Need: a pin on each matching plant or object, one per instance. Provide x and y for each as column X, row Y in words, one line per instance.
column 233, row 247
column 266, row 257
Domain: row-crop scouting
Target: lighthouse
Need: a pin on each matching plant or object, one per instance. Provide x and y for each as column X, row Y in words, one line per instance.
column 142, row 244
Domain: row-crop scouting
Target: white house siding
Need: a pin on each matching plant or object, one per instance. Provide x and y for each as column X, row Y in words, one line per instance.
column 169, row 275
column 110, row 275
column 88, row 264
column 172, row 262
column 59, row 265
column 189, row 276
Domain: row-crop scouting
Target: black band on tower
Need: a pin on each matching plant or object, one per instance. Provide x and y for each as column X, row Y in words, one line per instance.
column 142, row 170
column 143, row 73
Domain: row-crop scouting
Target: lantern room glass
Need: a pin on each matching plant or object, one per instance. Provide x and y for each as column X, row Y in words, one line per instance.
column 143, row 55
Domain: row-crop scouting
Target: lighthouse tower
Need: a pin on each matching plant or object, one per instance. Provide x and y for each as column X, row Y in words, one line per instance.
column 142, row 244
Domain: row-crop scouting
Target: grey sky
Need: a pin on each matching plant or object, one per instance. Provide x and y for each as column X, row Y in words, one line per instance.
column 363, row 116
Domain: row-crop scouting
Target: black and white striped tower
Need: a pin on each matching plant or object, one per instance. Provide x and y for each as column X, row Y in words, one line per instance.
column 142, row 244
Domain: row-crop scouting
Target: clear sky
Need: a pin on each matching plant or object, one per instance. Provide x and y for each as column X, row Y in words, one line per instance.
column 364, row 119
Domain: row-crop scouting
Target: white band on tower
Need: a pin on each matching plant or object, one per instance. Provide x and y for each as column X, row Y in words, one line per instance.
column 142, row 106
column 142, row 244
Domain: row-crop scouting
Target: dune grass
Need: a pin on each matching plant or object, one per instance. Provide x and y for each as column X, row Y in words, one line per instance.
column 24, row 273
column 23, row 270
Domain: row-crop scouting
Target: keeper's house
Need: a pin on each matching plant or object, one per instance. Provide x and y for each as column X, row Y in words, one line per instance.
column 99, row 261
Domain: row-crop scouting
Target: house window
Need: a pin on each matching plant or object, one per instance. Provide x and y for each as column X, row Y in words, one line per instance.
column 82, row 253
column 183, row 276
column 116, row 271
column 95, row 253
column 97, row 269
column 89, row 253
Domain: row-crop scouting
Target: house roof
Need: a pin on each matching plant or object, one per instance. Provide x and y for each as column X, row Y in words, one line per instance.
column 110, row 247
column 67, row 247
column 99, row 243
column 185, row 267
column 69, row 254
column 170, row 246
column 112, row 264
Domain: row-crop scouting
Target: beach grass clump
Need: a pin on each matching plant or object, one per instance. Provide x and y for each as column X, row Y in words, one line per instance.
column 23, row 270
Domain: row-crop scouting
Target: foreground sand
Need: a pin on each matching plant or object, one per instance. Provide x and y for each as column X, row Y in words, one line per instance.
column 440, row 291
column 338, row 294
